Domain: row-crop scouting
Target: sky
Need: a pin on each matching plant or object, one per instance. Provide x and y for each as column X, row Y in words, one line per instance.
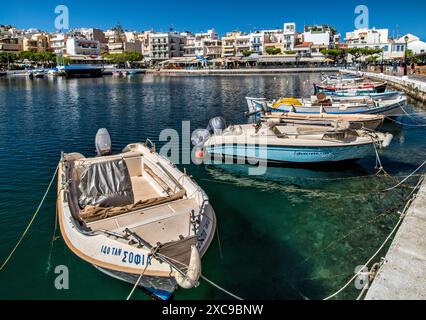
column 223, row 15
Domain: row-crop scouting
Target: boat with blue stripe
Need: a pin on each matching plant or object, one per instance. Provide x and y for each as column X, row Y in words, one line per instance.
column 283, row 143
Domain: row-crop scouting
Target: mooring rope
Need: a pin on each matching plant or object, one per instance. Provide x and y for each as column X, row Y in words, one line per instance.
column 202, row 276
column 31, row 221
column 401, row 218
column 136, row 284
column 406, row 178
column 221, row 289
column 406, row 124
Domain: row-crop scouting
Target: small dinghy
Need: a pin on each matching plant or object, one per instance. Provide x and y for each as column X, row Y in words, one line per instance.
column 279, row 143
column 135, row 216
column 356, row 121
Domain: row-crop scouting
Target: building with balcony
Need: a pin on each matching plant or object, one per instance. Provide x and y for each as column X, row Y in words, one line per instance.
column 195, row 43
column 242, row 44
column 58, row 43
column 229, row 44
column 289, row 36
column 213, row 49
column 77, row 46
column 35, row 42
column 393, row 49
column 256, row 42
column 166, row 45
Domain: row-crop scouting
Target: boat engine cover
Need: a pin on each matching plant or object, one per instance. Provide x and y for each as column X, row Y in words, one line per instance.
column 199, row 137
column 103, row 142
column 217, row 125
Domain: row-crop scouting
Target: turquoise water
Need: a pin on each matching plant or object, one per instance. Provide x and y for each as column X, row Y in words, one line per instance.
column 289, row 234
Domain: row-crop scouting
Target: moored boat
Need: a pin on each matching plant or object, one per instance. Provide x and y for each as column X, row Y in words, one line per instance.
column 356, row 121
column 135, row 216
column 82, row 71
column 318, row 104
column 376, row 87
column 279, row 143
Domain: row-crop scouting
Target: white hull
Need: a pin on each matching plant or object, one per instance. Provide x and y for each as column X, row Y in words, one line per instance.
column 95, row 242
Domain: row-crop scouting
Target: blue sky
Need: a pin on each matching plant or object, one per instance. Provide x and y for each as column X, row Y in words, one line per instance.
column 224, row 15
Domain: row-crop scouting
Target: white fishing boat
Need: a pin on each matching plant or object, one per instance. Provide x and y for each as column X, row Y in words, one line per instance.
column 356, row 121
column 323, row 103
column 135, row 216
column 274, row 142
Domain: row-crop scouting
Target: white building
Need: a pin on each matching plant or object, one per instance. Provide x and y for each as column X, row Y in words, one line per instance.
column 166, row 45
column 414, row 43
column 290, row 36
column 256, row 42
column 320, row 36
column 58, row 43
column 367, row 37
column 81, row 46
column 377, row 39
column 242, row 44
column 195, row 45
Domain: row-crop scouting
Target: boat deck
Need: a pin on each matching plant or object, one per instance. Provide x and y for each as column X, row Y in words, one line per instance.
column 164, row 223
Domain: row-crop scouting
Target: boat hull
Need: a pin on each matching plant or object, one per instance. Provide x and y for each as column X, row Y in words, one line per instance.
column 122, row 259
column 386, row 108
column 293, row 154
column 159, row 287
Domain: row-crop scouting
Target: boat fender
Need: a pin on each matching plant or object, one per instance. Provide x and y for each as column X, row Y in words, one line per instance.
column 199, row 154
column 387, row 140
column 193, row 273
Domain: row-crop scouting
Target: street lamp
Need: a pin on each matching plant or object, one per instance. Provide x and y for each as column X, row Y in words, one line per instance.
column 405, row 55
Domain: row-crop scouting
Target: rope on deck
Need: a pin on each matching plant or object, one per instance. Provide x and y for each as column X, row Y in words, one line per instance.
column 31, row 221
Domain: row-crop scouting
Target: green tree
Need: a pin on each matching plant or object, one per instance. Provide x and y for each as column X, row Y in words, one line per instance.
column 247, row 53
column 273, row 51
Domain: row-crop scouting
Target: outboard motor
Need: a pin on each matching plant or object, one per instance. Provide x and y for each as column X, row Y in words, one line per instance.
column 103, row 143
column 216, row 125
column 199, row 137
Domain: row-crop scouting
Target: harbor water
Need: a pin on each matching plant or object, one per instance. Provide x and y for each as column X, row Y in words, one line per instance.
column 292, row 233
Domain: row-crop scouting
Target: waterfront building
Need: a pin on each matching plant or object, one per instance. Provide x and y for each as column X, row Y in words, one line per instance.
column 77, row 46
column 304, row 49
column 119, row 41
column 195, row 44
column 256, row 42
column 35, row 42
column 321, row 37
column 229, row 44
column 242, row 44
column 166, row 45
column 393, row 49
column 273, row 39
column 213, row 49
column 290, row 36
column 413, row 43
column 9, row 39
column 58, row 43
column 89, row 34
